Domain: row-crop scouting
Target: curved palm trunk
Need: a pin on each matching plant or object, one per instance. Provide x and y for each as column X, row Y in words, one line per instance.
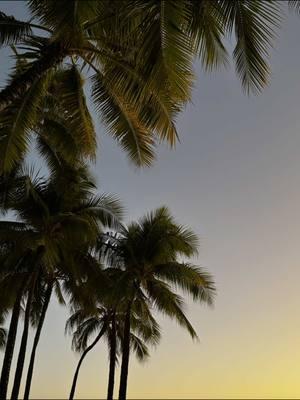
column 22, row 352
column 125, row 356
column 36, row 340
column 72, row 392
column 112, row 359
column 53, row 54
column 10, row 344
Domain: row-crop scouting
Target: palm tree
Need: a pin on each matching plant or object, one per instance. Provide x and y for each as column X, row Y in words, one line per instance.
column 109, row 323
column 55, row 215
column 137, row 58
column 148, row 253
column 43, row 303
column 13, row 283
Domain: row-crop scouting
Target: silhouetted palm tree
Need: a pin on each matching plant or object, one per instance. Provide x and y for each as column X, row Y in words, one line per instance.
column 54, row 216
column 138, row 57
column 43, row 300
column 107, row 320
column 147, row 252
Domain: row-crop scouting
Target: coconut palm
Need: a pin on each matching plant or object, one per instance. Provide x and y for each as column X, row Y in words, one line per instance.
column 14, row 275
column 38, row 315
column 137, row 59
column 148, row 253
column 55, row 215
column 109, row 324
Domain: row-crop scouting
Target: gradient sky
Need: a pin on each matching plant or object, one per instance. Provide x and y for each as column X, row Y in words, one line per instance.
column 235, row 179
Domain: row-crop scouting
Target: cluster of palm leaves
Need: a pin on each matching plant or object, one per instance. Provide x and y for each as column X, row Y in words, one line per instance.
column 135, row 58
column 133, row 62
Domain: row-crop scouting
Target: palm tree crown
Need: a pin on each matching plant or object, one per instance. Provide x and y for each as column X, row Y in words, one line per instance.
column 145, row 256
column 137, row 57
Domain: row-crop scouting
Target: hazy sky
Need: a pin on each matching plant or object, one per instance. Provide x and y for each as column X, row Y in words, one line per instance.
column 235, row 179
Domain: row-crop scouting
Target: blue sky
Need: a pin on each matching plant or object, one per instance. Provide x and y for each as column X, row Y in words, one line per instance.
column 235, row 179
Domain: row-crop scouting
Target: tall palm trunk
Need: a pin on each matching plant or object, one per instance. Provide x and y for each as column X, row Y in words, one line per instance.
column 72, row 392
column 10, row 344
column 22, row 351
column 36, row 339
column 125, row 355
column 112, row 358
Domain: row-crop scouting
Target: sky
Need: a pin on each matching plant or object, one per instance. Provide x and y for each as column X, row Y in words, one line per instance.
column 235, row 180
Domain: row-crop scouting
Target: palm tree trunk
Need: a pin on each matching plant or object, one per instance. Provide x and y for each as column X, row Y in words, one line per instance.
column 22, row 351
column 125, row 355
column 112, row 359
column 72, row 392
column 36, row 339
column 10, row 344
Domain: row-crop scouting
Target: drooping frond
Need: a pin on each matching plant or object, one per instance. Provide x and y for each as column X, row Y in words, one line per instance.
column 42, row 57
column 123, row 122
column 295, row 5
column 84, row 332
column 204, row 26
column 65, row 17
column 169, row 303
column 254, row 24
column 77, row 116
column 56, row 144
column 191, row 279
column 3, row 335
column 139, row 348
column 129, row 84
column 105, row 209
column 143, row 322
column 12, row 30
column 58, row 292
column 16, row 122
column 164, row 49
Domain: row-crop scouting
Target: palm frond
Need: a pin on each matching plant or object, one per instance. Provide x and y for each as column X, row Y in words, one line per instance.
column 294, row 5
column 254, row 23
column 16, row 122
column 56, row 144
column 58, row 292
column 169, row 304
column 84, row 332
column 193, row 280
column 12, row 30
column 204, row 26
column 123, row 122
column 3, row 336
column 161, row 236
column 164, row 49
column 73, row 103
column 65, row 17
column 105, row 209
column 139, row 348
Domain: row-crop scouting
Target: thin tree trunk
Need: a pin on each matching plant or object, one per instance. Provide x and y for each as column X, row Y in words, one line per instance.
column 10, row 344
column 112, row 359
column 72, row 392
column 125, row 355
column 36, row 339
column 22, row 351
